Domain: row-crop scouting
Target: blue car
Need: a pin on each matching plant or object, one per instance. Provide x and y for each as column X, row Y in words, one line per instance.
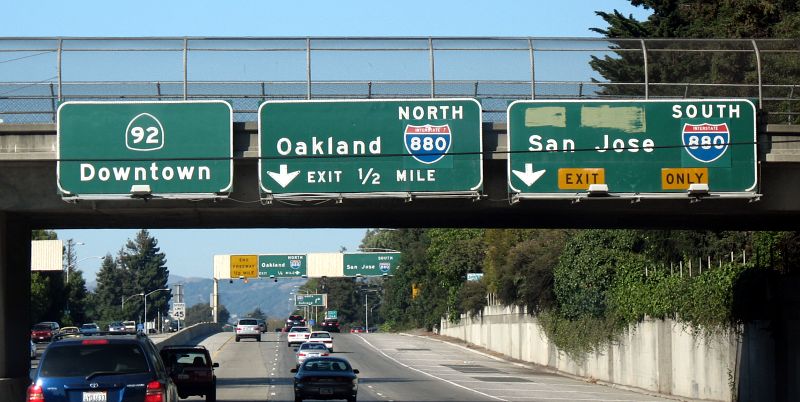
column 104, row 368
column 89, row 329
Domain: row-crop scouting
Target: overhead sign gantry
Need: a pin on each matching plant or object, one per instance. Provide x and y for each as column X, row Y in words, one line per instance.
column 656, row 148
column 370, row 149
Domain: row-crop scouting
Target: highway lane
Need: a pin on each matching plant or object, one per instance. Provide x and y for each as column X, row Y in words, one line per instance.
column 397, row 367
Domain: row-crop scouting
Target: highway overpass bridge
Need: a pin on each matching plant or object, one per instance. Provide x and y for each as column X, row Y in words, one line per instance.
column 41, row 74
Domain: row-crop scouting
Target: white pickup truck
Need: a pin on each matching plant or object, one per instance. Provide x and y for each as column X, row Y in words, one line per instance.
column 298, row 335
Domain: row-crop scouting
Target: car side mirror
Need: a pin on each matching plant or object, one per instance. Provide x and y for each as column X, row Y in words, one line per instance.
column 355, row 371
column 215, row 365
column 294, row 370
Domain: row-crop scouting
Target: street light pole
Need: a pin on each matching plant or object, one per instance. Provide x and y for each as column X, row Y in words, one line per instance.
column 145, row 305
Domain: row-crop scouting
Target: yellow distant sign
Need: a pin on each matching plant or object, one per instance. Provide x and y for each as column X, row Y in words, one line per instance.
column 580, row 178
column 244, row 266
column 681, row 178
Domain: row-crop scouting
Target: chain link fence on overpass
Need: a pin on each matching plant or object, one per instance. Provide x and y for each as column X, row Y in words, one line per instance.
column 36, row 74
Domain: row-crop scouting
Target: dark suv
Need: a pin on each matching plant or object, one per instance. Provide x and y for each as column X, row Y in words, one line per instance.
column 192, row 370
column 104, row 368
column 330, row 325
column 295, row 320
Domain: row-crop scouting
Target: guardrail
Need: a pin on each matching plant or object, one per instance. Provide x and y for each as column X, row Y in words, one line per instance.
column 38, row 73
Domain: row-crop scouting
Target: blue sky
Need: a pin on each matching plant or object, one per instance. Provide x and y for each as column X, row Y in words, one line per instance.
column 190, row 252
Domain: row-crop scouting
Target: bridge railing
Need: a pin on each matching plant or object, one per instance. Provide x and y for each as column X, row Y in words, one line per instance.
column 36, row 74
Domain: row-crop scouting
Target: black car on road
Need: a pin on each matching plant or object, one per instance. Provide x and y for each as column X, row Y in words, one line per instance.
column 192, row 370
column 325, row 378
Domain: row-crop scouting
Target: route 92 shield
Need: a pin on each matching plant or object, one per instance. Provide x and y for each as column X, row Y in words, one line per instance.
column 428, row 144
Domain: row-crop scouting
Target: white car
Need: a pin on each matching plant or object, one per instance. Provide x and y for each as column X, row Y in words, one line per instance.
column 323, row 337
column 310, row 349
column 248, row 328
column 298, row 335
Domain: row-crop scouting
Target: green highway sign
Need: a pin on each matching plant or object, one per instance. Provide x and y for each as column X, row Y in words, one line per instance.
column 639, row 148
column 109, row 150
column 282, row 266
column 331, row 314
column 370, row 148
column 311, row 300
column 370, row 264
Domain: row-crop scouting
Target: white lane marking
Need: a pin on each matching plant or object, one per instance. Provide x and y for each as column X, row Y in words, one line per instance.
column 428, row 374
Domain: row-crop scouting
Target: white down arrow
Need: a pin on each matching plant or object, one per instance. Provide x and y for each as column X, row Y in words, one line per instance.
column 529, row 176
column 284, row 177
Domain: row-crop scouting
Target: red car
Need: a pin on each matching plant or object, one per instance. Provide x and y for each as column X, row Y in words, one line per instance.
column 330, row 325
column 44, row 331
column 356, row 330
column 192, row 370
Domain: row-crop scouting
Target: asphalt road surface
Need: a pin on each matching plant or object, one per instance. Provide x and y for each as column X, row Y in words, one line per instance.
column 397, row 367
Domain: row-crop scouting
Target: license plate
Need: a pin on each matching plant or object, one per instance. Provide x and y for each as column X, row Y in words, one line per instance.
column 326, row 391
column 94, row 396
column 183, row 376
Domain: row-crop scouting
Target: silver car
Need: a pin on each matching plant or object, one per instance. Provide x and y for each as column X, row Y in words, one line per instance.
column 248, row 328
column 310, row 349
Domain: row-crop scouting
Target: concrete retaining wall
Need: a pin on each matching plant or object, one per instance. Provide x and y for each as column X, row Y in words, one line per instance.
column 186, row 335
column 658, row 356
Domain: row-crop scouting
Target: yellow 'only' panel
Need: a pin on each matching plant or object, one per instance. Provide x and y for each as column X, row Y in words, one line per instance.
column 681, row 178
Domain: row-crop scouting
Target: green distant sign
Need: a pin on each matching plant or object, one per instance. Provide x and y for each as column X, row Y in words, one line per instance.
column 560, row 148
column 373, row 148
column 370, row 264
column 331, row 314
column 281, row 266
column 319, row 300
column 165, row 149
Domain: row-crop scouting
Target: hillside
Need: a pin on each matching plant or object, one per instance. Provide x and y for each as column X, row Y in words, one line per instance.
column 238, row 297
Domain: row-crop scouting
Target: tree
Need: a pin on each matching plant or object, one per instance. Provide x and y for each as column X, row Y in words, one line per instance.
column 200, row 312
column 75, row 293
column 257, row 313
column 693, row 19
column 223, row 315
column 111, row 291
column 148, row 272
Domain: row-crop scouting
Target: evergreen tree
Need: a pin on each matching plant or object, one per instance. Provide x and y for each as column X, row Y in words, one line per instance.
column 110, row 292
column 148, row 272
column 669, row 62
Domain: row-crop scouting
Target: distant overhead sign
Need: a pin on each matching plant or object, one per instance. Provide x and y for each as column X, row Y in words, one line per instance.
column 370, row 264
column 640, row 148
column 244, row 266
column 320, row 300
column 282, row 266
column 109, row 150
column 370, row 148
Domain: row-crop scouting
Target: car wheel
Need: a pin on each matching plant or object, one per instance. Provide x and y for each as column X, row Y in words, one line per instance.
column 351, row 399
column 182, row 396
column 237, row 339
column 211, row 395
column 289, row 345
column 258, row 339
column 297, row 398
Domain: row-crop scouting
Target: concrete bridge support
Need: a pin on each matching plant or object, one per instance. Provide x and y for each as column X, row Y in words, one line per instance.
column 15, row 296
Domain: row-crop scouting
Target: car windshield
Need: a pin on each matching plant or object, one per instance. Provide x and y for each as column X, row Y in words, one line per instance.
column 326, row 365
column 248, row 322
column 320, row 336
column 307, row 346
column 123, row 358
column 88, row 326
column 41, row 327
column 299, row 329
